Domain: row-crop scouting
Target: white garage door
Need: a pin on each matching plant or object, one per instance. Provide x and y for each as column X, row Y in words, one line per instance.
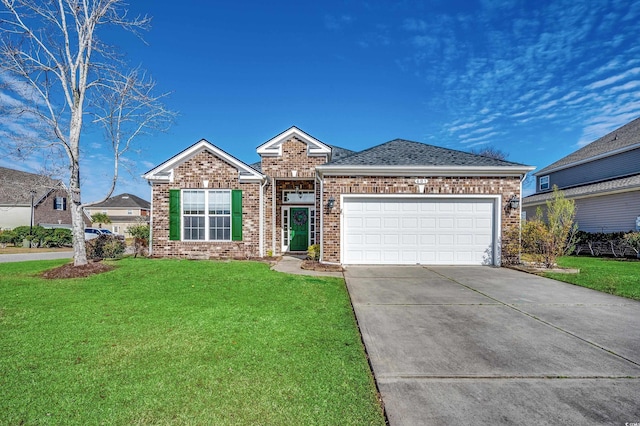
column 409, row 231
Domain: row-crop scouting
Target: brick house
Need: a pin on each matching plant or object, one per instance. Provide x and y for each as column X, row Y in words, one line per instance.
column 400, row 202
column 19, row 189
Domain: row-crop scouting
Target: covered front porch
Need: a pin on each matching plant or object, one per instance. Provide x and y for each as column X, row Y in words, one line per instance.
column 294, row 212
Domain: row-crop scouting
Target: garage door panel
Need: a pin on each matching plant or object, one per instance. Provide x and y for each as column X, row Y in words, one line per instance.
column 411, row 230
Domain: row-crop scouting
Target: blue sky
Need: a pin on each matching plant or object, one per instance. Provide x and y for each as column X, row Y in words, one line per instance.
column 534, row 79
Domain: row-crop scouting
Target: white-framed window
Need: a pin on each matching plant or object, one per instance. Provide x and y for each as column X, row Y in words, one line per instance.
column 285, row 226
column 206, row 215
column 298, row 197
column 312, row 226
column 129, row 211
column 60, row 203
column 544, row 182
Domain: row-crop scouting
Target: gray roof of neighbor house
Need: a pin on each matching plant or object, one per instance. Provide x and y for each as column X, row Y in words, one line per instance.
column 16, row 186
column 400, row 152
column 621, row 138
column 124, row 201
column 628, row 183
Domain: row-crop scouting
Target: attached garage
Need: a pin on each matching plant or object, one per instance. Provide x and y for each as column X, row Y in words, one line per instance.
column 419, row 230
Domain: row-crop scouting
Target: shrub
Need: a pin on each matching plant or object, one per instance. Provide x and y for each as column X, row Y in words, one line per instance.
column 313, row 252
column 7, row 237
column 546, row 240
column 105, row 246
column 57, row 237
column 140, row 234
column 632, row 239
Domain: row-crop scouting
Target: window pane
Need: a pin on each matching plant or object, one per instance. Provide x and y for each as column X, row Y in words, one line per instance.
column 220, row 228
column 193, row 202
column 194, row 228
column 219, row 202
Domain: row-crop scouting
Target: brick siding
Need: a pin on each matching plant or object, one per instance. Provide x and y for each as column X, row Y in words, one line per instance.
column 335, row 186
column 221, row 175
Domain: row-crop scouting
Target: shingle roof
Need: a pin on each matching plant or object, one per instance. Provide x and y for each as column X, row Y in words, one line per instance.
column 338, row 152
column 625, row 136
column 400, row 152
column 15, row 186
column 124, row 201
column 620, row 184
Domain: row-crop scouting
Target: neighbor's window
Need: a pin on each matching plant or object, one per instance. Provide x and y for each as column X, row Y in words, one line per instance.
column 206, row 215
column 60, row 203
column 544, row 182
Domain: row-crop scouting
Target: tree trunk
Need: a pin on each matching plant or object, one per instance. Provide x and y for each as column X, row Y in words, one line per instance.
column 79, row 249
column 77, row 214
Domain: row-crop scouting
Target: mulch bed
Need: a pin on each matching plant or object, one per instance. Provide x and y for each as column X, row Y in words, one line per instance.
column 312, row 265
column 70, row 271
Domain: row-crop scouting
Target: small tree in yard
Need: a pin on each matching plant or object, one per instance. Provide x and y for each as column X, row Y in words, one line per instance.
column 100, row 218
column 140, row 234
column 547, row 239
column 56, row 72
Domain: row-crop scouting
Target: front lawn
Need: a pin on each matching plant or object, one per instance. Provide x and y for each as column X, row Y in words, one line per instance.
column 616, row 276
column 180, row 342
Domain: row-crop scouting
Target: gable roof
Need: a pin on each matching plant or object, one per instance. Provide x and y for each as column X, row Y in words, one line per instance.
column 124, row 201
column 401, row 155
column 16, row 187
column 164, row 172
column 622, row 139
column 273, row 147
column 612, row 186
column 400, row 152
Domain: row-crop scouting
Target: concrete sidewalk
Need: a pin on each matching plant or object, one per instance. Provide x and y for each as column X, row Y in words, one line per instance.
column 292, row 265
column 22, row 257
column 481, row 345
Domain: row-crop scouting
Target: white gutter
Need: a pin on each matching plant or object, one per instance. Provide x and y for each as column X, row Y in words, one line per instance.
column 338, row 170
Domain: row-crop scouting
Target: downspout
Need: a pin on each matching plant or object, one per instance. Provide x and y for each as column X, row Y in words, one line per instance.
column 273, row 216
column 151, row 221
column 261, row 214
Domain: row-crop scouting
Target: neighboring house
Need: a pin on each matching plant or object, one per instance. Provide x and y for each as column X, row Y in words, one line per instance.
column 603, row 178
column 124, row 210
column 17, row 192
column 401, row 202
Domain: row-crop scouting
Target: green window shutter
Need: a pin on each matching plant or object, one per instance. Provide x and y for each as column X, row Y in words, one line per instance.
column 236, row 215
column 174, row 214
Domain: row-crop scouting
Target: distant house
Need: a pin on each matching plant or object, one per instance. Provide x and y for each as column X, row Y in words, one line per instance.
column 18, row 190
column 124, row 210
column 603, row 178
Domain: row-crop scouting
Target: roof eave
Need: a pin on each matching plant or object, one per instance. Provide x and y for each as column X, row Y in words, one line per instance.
column 334, row 170
column 545, row 171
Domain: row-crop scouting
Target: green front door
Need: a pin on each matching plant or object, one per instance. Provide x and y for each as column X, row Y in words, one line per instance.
column 299, row 229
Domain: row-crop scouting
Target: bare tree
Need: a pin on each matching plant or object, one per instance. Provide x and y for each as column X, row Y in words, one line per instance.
column 58, row 70
column 491, row 152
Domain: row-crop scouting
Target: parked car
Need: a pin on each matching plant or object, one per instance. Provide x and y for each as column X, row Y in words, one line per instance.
column 91, row 233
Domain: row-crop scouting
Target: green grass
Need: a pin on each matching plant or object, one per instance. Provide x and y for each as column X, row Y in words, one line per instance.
column 180, row 342
column 616, row 276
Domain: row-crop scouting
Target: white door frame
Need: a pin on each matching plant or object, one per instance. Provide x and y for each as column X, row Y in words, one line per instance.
column 284, row 230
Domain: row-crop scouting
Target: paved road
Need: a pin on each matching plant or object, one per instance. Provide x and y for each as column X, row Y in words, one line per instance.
column 21, row 257
column 480, row 345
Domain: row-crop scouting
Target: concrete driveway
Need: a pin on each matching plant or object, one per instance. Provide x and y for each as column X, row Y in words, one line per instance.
column 481, row 345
